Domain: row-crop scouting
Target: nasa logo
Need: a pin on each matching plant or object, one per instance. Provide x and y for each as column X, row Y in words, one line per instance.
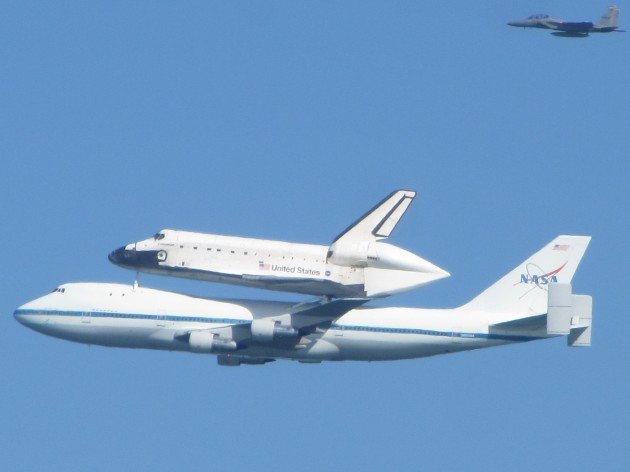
column 540, row 279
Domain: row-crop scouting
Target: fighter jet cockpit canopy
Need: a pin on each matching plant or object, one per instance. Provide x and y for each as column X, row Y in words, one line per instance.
column 538, row 17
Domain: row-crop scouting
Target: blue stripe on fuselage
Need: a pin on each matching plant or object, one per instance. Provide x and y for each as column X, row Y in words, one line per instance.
column 428, row 332
column 137, row 316
column 201, row 319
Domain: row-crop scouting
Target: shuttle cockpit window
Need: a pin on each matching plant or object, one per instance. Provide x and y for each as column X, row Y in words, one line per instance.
column 158, row 236
column 60, row 290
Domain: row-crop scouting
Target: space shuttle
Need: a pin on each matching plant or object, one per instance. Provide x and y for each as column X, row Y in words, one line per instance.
column 357, row 264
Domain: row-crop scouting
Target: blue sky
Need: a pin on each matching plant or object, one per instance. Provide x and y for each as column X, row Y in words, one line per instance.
column 288, row 120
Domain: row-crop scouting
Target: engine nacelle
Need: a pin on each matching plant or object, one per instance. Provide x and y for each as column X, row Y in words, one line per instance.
column 380, row 256
column 266, row 331
column 355, row 254
column 205, row 341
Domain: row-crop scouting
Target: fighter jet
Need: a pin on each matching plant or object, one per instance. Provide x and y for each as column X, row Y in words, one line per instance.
column 356, row 265
column 580, row 29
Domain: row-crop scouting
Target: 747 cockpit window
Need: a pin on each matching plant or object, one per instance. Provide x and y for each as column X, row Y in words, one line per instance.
column 158, row 236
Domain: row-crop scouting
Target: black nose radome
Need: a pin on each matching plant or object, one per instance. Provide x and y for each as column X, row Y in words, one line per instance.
column 122, row 256
column 132, row 258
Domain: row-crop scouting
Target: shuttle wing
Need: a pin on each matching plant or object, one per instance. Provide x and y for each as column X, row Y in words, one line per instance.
column 312, row 316
column 283, row 328
column 380, row 221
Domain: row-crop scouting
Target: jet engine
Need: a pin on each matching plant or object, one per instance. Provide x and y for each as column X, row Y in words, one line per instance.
column 205, row 341
column 266, row 331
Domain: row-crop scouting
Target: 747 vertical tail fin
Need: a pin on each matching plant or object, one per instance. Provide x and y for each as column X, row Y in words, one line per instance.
column 524, row 289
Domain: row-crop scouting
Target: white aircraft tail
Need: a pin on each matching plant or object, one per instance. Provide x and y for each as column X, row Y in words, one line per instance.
column 524, row 290
column 610, row 18
column 380, row 221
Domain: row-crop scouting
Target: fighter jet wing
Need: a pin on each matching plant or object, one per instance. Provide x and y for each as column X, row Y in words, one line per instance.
column 574, row 27
column 380, row 221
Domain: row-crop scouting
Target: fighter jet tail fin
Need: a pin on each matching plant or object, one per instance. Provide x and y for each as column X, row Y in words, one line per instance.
column 609, row 19
column 380, row 221
column 524, row 289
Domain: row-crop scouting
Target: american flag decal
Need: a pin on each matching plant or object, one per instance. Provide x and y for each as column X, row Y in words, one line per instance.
column 262, row 265
column 561, row 247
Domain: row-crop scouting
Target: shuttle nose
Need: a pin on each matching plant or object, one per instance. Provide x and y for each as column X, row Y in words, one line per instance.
column 125, row 255
column 130, row 256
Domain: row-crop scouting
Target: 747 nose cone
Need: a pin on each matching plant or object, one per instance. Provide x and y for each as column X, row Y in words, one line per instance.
column 19, row 316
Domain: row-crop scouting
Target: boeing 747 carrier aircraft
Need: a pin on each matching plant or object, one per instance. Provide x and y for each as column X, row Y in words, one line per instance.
column 534, row 301
column 356, row 264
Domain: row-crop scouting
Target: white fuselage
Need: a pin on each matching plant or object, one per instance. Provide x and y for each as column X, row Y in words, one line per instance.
column 136, row 317
column 370, row 269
